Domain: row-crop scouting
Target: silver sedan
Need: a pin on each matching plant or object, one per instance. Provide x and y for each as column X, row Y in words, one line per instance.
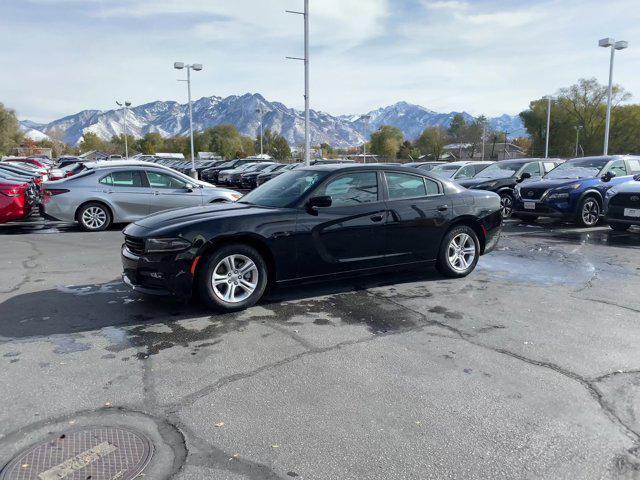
column 123, row 192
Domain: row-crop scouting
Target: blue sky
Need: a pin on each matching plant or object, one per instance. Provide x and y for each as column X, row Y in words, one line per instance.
column 482, row 56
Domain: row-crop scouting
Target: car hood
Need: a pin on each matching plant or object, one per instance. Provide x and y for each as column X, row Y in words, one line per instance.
column 484, row 182
column 552, row 182
column 161, row 222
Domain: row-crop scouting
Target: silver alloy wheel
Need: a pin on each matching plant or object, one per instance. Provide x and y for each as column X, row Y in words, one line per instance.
column 94, row 217
column 506, row 206
column 235, row 278
column 590, row 212
column 461, row 252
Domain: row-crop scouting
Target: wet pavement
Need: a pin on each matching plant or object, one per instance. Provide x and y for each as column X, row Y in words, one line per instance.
column 530, row 367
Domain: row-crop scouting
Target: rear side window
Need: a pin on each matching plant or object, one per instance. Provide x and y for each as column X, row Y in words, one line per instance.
column 468, row 172
column 548, row 166
column 402, row 185
column 163, row 180
column 533, row 169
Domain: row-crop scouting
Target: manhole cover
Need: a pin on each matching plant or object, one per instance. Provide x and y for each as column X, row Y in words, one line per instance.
column 95, row 453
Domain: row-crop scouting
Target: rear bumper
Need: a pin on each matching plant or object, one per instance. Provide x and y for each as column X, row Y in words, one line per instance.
column 13, row 208
column 161, row 274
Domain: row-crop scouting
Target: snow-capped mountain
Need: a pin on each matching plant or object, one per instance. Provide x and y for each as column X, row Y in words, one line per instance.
column 172, row 118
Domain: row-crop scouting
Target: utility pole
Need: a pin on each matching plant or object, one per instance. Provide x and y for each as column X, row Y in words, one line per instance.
column 126, row 105
column 578, row 128
column 621, row 45
column 484, row 136
column 546, row 148
column 197, row 67
column 307, row 137
column 261, row 113
column 506, row 142
column 366, row 119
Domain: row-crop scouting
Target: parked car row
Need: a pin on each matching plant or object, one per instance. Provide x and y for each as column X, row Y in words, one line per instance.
column 20, row 186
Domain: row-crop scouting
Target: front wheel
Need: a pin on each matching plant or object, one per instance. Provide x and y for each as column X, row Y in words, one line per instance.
column 506, row 204
column 459, row 252
column 589, row 212
column 234, row 278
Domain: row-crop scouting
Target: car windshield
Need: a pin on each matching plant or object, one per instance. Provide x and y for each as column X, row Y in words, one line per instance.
column 228, row 164
column 446, row 170
column 284, row 190
column 501, row 170
column 271, row 168
column 585, row 168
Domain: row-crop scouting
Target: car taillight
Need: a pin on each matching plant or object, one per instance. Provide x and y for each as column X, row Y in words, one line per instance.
column 55, row 191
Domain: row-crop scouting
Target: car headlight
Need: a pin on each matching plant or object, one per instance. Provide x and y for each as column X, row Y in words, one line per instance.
column 158, row 245
column 563, row 193
column 558, row 196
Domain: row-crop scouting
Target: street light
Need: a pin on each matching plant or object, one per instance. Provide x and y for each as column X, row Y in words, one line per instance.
column 197, row 67
column 126, row 145
column 365, row 127
column 546, row 148
column 578, row 128
column 260, row 112
column 307, row 138
column 613, row 45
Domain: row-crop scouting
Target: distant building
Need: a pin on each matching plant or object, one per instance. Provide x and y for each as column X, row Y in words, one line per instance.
column 31, row 151
column 208, row 156
column 469, row 151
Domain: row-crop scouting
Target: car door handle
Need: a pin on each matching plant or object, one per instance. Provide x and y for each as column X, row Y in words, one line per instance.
column 443, row 208
column 156, row 192
column 377, row 218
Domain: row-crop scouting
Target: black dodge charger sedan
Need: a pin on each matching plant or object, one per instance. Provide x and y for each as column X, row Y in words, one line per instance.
column 502, row 177
column 622, row 205
column 311, row 223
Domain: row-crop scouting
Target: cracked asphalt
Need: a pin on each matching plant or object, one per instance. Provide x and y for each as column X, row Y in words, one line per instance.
column 528, row 368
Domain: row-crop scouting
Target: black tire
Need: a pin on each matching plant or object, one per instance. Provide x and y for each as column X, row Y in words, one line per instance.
column 213, row 297
column 506, row 204
column 620, row 227
column 94, row 217
column 453, row 269
column 588, row 214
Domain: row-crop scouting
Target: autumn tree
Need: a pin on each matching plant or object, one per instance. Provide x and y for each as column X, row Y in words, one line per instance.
column 386, row 141
column 432, row 141
column 10, row 134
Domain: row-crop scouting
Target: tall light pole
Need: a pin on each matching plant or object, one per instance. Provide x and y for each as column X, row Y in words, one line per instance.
column 578, row 128
column 546, row 148
column 484, row 136
column 307, row 137
column 126, row 105
column 365, row 127
column 197, row 67
column 260, row 112
column 621, row 45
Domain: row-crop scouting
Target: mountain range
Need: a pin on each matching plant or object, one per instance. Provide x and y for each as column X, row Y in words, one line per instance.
column 172, row 118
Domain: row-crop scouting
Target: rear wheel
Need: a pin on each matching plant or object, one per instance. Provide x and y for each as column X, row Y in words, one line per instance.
column 620, row 227
column 588, row 212
column 234, row 278
column 94, row 217
column 459, row 252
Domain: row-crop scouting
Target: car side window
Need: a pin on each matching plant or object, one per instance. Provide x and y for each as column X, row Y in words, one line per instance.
column 352, row 189
column 635, row 166
column 126, row 179
column 533, row 169
column 619, row 168
column 402, row 185
column 548, row 166
column 468, row 171
column 479, row 168
column 107, row 180
column 163, row 180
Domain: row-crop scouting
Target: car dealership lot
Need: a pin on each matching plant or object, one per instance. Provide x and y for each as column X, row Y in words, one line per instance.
column 526, row 368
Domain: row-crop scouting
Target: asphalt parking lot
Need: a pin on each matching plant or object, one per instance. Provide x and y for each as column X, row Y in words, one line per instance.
column 528, row 368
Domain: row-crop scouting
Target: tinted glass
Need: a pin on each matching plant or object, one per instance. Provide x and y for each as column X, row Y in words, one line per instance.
column 501, row 170
column 446, row 170
column 619, row 168
column 584, row 168
column 466, row 172
column 162, row 180
column 533, row 169
column 401, row 185
column 284, row 190
column 352, row 189
column 126, row 179
column 635, row 166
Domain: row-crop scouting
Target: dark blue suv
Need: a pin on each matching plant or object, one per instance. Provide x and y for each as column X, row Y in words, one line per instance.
column 574, row 190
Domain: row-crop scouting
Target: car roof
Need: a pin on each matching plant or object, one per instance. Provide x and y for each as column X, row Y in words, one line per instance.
column 607, row 157
column 358, row 166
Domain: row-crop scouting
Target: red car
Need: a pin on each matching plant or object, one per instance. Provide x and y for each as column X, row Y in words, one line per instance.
column 36, row 162
column 16, row 200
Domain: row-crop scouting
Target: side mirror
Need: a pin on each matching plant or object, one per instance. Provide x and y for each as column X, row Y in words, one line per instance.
column 524, row 176
column 323, row 201
column 637, row 178
column 608, row 176
column 189, row 187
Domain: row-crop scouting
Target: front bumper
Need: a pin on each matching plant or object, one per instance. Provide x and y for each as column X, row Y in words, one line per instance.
column 158, row 274
column 615, row 214
column 543, row 209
